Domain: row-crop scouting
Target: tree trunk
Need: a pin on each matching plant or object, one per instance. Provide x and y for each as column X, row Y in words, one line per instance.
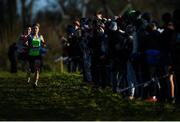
column 30, row 11
column 23, row 12
column 84, row 9
column 2, row 18
column 12, row 12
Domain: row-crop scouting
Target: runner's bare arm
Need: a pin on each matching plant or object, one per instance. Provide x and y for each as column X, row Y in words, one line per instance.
column 43, row 42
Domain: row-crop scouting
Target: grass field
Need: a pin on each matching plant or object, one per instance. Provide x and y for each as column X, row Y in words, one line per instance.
column 65, row 97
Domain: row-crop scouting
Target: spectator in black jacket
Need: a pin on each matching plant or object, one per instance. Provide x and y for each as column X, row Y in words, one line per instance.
column 12, row 57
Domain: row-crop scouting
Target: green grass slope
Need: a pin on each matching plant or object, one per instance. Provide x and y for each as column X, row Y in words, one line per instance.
column 65, row 97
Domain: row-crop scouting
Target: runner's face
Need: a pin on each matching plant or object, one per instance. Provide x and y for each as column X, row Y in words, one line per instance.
column 29, row 30
column 36, row 29
column 99, row 16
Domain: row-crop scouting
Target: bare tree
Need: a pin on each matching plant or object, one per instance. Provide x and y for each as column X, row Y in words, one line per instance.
column 2, row 18
column 23, row 12
column 84, row 8
column 12, row 12
column 106, row 8
column 26, row 11
column 30, row 10
column 62, row 9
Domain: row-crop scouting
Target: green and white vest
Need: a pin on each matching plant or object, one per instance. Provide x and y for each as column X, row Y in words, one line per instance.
column 35, row 47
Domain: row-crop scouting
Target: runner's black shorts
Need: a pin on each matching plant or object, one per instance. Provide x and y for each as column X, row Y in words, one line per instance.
column 35, row 63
